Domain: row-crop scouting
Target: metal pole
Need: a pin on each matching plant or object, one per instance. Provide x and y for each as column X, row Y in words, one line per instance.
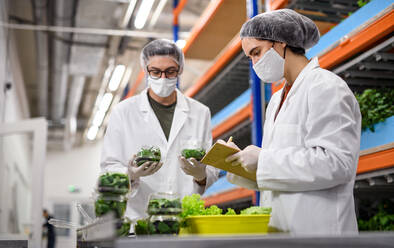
column 175, row 28
column 93, row 31
column 257, row 94
column 175, row 25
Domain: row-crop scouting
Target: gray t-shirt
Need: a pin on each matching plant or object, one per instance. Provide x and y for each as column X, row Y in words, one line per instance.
column 164, row 114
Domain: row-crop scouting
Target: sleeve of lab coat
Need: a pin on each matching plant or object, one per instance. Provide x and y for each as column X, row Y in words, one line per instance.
column 112, row 157
column 212, row 172
column 241, row 181
column 330, row 154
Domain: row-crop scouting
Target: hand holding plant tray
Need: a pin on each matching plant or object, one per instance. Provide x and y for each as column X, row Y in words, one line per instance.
column 193, row 149
column 198, row 154
column 148, row 154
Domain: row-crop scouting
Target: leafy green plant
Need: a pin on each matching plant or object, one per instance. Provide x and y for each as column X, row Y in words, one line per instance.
column 164, row 206
column 256, row 210
column 165, row 227
column 383, row 220
column 123, row 228
column 104, row 205
column 144, row 227
column 113, row 183
column 230, row 211
column 198, row 154
column 213, row 210
column 148, row 154
column 375, row 106
column 361, row 3
column 193, row 205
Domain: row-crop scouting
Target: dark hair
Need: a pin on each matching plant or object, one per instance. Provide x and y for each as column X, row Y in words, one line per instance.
column 296, row 50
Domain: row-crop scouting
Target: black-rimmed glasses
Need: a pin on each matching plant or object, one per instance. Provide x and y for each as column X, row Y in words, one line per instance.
column 156, row 74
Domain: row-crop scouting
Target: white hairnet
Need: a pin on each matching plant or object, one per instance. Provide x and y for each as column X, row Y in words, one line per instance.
column 284, row 25
column 162, row 47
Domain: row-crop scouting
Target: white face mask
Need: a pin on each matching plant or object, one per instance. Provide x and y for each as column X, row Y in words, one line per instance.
column 162, row 87
column 270, row 67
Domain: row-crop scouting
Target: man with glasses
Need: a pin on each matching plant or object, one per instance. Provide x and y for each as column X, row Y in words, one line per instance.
column 163, row 117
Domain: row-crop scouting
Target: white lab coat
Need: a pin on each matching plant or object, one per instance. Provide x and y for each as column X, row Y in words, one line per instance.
column 133, row 124
column 307, row 165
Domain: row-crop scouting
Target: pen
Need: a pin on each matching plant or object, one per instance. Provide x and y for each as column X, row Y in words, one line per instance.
column 230, row 139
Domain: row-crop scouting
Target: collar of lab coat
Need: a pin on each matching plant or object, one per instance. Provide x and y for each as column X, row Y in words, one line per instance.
column 271, row 122
column 180, row 115
column 313, row 63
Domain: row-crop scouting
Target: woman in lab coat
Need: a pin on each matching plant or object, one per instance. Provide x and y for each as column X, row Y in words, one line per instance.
column 159, row 116
column 307, row 164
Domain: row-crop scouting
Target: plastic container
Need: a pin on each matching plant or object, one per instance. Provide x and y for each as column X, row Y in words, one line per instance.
column 164, row 224
column 164, row 204
column 193, row 149
column 148, row 154
column 105, row 204
column 227, row 224
column 113, row 183
column 123, row 227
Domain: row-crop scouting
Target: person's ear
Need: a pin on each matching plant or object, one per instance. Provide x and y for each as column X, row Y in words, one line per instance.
column 282, row 44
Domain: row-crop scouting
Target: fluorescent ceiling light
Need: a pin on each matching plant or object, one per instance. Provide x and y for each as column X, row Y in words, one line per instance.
column 181, row 43
column 143, row 13
column 98, row 118
column 105, row 102
column 92, row 133
column 128, row 14
column 157, row 13
column 116, row 77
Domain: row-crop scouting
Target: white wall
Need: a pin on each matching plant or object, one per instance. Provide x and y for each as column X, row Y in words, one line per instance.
column 79, row 167
column 15, row 155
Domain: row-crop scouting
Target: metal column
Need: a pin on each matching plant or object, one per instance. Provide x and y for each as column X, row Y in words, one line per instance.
column 175, row 28
column 257, row 94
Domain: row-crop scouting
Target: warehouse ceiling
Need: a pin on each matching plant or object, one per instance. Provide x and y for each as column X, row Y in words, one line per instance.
column 66, row 74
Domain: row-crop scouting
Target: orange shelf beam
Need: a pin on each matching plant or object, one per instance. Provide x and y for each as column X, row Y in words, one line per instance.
column 376, row 161
column 137, row 83
column 359, row 42
column 240, row 116
column 230, row 195
column 278, row 4
column 205, row 18
column 222, row 61
column 177, row 11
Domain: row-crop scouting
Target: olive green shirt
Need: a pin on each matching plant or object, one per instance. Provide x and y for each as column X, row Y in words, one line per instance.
column 164, row 114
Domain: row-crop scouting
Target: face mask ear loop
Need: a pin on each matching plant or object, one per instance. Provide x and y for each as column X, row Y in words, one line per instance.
column 284, row 54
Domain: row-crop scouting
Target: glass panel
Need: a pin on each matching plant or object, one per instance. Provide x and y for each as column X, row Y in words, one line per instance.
column 15, row 184
column 62, row 212
column 89, row 209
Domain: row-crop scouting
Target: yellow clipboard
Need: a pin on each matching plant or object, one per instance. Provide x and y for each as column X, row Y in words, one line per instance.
column 216, row 157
